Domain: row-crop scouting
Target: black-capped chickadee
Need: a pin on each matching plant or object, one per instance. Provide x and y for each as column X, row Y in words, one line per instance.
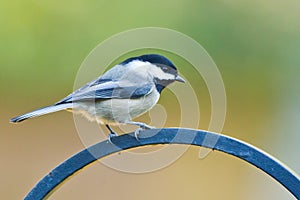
column 124, row 92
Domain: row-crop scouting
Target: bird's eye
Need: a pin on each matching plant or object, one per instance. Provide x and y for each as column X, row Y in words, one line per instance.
column 165, row 69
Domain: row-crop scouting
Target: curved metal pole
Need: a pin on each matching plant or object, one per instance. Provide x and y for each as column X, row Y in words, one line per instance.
column 229, row 145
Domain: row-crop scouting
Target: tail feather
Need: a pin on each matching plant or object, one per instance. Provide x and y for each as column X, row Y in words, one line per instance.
column 41, row 111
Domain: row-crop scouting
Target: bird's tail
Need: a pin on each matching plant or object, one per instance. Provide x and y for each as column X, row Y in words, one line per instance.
column 41, row 111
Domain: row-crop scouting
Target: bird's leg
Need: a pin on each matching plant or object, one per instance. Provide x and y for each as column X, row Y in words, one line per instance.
column 142, row 126
column 111, row 133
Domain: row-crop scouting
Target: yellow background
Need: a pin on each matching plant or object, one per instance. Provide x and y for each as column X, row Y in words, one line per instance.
column 256, row 45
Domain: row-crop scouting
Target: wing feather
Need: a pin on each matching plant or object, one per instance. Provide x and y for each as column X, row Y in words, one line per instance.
column 108, row 90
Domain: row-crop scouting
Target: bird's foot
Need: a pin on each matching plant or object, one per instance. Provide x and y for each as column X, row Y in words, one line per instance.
column 111, row 135
column 141, row 128
column 137, row 133
column 145, row 127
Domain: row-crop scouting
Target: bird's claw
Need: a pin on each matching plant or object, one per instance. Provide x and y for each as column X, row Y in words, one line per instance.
column 141, row 128
column 111, row 135
column 137, row 132
column 145, row 127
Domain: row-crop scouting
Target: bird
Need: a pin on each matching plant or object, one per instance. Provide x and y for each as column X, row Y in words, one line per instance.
column 124, row 92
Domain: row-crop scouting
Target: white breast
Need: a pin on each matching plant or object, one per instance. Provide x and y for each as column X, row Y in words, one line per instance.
column 115, row 111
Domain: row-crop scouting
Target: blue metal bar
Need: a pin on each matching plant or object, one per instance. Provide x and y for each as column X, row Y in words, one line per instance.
column 229, row 145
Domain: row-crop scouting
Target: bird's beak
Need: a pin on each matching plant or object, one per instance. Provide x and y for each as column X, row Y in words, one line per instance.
column 179, row 79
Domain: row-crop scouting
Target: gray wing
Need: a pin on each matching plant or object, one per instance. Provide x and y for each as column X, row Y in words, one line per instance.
column 83, row 88
column 108, row 89
column 107, row 81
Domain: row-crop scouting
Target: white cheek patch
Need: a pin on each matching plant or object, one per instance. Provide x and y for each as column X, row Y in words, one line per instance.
column 138, row 67
column 160, row 74
column 144, row 68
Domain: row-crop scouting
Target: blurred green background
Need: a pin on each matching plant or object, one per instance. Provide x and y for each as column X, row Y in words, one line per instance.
column 256, row 45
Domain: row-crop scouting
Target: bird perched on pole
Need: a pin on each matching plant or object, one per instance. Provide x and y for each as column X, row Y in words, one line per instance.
column 124, row 92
